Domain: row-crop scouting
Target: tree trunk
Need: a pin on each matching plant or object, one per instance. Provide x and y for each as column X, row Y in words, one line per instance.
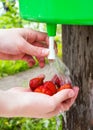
column 78, row 56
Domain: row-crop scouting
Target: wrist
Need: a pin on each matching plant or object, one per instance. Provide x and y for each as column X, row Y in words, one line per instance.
column 10, row 104
column 3, row 104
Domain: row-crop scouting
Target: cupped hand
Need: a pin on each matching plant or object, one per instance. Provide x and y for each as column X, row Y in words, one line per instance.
column 23, row 44
column 21, row 102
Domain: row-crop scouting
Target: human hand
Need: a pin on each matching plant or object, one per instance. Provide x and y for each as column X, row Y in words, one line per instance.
column 23, row 44
column 21, row 102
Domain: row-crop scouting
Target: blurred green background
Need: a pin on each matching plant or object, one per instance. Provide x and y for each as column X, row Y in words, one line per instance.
column 10, row 18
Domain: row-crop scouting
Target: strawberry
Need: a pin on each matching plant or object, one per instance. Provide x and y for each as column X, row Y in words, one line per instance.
column 65, row 86
column 51, row 86
column 39, row 89
column 44, row 90
column 47, row 88
column 57, row 80
column 35, row 82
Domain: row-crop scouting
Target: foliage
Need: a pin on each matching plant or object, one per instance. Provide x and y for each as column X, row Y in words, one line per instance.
column 59, row 45
column 30, row 124
column 12, row 67
column 11, row 17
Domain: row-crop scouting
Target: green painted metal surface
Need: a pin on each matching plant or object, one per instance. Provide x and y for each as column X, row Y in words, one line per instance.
column 52, row 12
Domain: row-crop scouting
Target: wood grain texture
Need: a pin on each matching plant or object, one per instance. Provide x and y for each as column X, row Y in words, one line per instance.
column 78, row 56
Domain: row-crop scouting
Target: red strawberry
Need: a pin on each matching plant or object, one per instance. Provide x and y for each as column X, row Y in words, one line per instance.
column 35, row 82
column 50, row 86
column 47, row 88
column 57, row 80
column 39, row 89
column 65, row 86
column 44, row 90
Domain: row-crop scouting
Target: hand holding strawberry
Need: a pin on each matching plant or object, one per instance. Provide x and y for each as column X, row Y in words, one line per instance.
column 48, row 87
column 38, row 85
column 27, row 103
column 33, row 104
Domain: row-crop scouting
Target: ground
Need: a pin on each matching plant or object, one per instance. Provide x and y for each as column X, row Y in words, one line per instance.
column 22, row 79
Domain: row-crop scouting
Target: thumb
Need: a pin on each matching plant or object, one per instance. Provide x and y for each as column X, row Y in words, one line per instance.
column 34, row 50
column 63, row 95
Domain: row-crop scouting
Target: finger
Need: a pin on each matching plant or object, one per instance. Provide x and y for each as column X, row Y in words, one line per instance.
column 63, row 95
column 4, row 56
column 32, row 35
column 76, row 90
column 40, row 44
column 68, row 103
column 41, row 61
column 29, row 59
column 65, row 106
column 45, row 44
column 33, row 50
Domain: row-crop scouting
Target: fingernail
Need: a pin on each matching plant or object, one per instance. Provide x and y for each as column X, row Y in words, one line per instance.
column 45, row 51
column 71, row 94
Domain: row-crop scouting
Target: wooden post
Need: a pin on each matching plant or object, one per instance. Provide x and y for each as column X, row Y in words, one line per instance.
column 78, row 56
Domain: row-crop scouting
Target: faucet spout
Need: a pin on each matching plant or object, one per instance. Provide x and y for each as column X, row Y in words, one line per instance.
column 51, row 55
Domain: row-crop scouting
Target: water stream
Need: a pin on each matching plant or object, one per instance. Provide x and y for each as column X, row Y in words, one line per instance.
column 59, row 121
column 63, row 73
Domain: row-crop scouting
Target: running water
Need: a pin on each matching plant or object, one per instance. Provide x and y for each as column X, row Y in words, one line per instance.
column 65, row 120
column 63, row 73
column 59, row 121
column 60, row 69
